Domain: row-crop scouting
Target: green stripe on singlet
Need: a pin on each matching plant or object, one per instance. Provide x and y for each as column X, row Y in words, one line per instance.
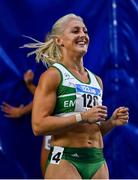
column 62, row 90
column 66, row 97
column 65, row 104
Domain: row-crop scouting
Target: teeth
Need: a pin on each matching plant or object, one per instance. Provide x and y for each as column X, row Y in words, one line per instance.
column 81, row 43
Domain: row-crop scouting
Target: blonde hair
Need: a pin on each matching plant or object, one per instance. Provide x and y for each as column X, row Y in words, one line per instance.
column 49, row 52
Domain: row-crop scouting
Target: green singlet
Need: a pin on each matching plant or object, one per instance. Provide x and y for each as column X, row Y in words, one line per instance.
column 75, row 96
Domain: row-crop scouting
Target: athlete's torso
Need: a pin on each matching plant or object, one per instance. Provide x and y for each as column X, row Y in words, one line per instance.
column 74, row 96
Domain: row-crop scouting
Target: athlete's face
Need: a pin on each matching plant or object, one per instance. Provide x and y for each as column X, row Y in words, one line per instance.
column 75, row 37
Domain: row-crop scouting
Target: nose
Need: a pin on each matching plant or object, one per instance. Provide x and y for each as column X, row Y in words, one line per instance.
column 82, row 33
column 84, row 36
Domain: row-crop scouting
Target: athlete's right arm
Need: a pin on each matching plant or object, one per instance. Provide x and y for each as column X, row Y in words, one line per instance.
column 43, row 121
column 44, row 103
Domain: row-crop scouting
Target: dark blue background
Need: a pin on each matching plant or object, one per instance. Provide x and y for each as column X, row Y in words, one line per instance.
column 112, row 54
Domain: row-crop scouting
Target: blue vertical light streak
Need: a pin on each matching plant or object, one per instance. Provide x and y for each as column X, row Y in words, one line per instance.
column 114, row 42
column 113, row 31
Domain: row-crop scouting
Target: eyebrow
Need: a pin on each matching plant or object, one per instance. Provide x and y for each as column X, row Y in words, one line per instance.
column 79, row 27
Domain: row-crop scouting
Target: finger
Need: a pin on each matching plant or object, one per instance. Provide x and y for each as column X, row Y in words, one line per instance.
column 121, row 107
column 101, row 119
column 123, row 117
column 101, row 115
column 2, row 107
column 101, row 107
column 123, row 114
column 6, row 105
column 5, row 109
column 124, row 109
column 10, row 116
column 7, row 115
column 102, row 111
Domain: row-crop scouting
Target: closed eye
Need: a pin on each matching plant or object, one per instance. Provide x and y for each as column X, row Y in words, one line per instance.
column 77, row 31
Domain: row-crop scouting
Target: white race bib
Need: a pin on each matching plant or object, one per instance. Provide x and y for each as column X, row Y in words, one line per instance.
column 56, row 155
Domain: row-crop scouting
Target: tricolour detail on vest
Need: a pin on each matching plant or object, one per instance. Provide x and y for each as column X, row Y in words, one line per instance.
column 75, row 96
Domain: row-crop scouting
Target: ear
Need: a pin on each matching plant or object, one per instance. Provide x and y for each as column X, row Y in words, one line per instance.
column 59, row 41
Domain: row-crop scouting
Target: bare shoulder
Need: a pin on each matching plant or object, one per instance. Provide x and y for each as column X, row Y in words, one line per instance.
column 99, row 81
column 51, row 73
column 50, row 78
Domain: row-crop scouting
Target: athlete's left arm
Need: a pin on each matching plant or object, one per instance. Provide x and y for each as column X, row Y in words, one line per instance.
column 119, row 118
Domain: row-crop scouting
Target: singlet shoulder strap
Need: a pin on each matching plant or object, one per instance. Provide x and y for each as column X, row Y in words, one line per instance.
column 99, row 81
column 60, row 67
column 97, row 78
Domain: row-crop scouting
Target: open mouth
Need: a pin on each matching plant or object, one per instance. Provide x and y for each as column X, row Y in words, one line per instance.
column 82, row 42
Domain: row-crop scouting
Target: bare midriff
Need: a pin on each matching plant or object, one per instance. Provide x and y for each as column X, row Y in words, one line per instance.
column 82, row 135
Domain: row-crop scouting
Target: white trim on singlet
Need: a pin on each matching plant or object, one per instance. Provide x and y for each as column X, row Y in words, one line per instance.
column 66, row 95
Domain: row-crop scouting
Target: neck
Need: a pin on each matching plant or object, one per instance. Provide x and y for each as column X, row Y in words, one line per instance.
column 73, row 63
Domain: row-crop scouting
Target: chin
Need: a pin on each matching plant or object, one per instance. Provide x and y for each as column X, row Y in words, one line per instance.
column 80, row 51
column 83, row 51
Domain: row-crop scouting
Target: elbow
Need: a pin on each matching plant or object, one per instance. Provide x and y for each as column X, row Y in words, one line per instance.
column 36, row 130
column 36, row 127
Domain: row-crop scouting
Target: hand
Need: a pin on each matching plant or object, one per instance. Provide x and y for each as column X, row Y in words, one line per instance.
column 28, row 76
column 120, row 116
column 11, row 111
column 95, row 114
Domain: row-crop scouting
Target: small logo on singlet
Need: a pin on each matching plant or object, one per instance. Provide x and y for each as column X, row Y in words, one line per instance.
column 67, row 76
column 75, row 155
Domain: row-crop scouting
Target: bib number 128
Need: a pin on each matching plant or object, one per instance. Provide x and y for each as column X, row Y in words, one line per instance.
column 89, row 100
